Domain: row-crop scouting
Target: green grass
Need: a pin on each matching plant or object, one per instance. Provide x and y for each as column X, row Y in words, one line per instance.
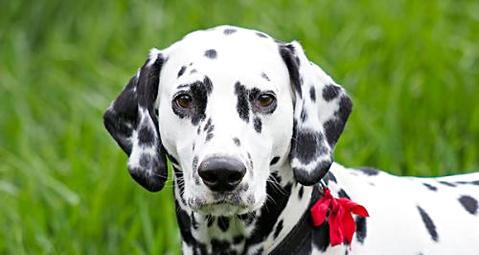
column 411, row 68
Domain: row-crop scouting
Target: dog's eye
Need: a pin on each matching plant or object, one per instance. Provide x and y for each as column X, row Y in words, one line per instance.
column 183, row 100
column 265, row 100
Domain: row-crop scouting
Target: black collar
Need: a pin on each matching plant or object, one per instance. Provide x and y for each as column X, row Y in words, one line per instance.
column 298, row 240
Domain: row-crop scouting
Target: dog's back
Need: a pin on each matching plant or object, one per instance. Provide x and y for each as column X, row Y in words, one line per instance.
column 413, row 215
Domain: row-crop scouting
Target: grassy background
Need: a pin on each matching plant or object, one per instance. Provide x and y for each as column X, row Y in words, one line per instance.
column 410, row 66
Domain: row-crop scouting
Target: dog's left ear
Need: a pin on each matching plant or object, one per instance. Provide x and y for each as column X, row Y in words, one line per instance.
column 321, row 110
column 131, row 120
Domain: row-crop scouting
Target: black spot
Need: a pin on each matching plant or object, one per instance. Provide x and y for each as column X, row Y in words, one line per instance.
column 145, row 161
column 247, row 218
column 469, row 203
column 257, row 124
column 301, row 192
column 182, row 70
column 312, row 94
column 223, row 223
column 242, row 106
column 146, row 136
column 287, row 53
column 265, row 76
column 208, row 84
column 304, row 114
column 221, row 247
column 430, row 187
column 193, row 71
column 279, row 227
column 330, row 92
column 334, row 127
column 369, row 171
column 238, row 239
column 229, row 31
column 237, row 141
column 331, row 177
column 321, row 236
column 447, row 183
column 194, row 223
column 274, row 161
column 207, row 125
column 184, row 223
column 343, row 194
column 270, row 211
column 211, row 53
column 308, row 145
column 261, row 35
column 209, row 136
column 361, row 229
column 431, row 228
column 475, row 182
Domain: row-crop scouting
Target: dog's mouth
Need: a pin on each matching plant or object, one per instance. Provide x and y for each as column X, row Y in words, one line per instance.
column 222, row 205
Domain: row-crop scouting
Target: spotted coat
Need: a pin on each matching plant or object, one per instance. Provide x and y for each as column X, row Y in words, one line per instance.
column 229, row 94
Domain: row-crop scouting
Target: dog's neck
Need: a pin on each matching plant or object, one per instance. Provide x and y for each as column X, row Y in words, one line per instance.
column 258, row 232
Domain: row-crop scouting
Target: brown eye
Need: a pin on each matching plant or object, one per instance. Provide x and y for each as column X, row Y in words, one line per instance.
column 183, row 101
column 265, row 100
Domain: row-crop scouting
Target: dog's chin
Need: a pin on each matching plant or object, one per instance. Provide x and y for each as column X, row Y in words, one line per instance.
column 223, row 209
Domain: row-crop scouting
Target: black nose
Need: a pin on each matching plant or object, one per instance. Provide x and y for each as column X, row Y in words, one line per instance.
column 221, row 173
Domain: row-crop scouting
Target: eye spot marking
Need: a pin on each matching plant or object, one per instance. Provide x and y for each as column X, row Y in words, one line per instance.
column 274, row 160
column 242, row 105
column 237, row 141
column 181, row 72
column 257, row 124
column 265, row 76
column 211, row 53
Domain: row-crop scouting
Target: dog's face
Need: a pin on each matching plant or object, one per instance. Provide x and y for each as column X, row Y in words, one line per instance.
column 229, row 106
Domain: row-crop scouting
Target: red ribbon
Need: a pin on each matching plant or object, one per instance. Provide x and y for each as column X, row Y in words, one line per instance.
column 340, row 217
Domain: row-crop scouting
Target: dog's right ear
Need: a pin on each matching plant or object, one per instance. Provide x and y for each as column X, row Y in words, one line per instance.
column 131, row 120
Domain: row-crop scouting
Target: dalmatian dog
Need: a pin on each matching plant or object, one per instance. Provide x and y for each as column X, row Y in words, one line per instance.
column 249, row 125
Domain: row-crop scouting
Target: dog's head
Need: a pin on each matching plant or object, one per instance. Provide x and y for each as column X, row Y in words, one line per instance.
column 228, row 106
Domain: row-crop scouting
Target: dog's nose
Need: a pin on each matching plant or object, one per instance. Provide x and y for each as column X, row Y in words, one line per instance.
column 221, row 173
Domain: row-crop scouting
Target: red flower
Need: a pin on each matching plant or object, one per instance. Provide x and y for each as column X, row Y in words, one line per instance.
column 340, row 217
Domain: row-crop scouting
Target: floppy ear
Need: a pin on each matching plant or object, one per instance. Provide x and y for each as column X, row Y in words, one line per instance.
column 132, row 121
column 321, row 110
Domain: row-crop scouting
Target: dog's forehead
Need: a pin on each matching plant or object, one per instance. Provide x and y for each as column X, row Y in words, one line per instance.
column 226, row 54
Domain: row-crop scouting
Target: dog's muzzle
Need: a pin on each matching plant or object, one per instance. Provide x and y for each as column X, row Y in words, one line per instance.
column 221, row 173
